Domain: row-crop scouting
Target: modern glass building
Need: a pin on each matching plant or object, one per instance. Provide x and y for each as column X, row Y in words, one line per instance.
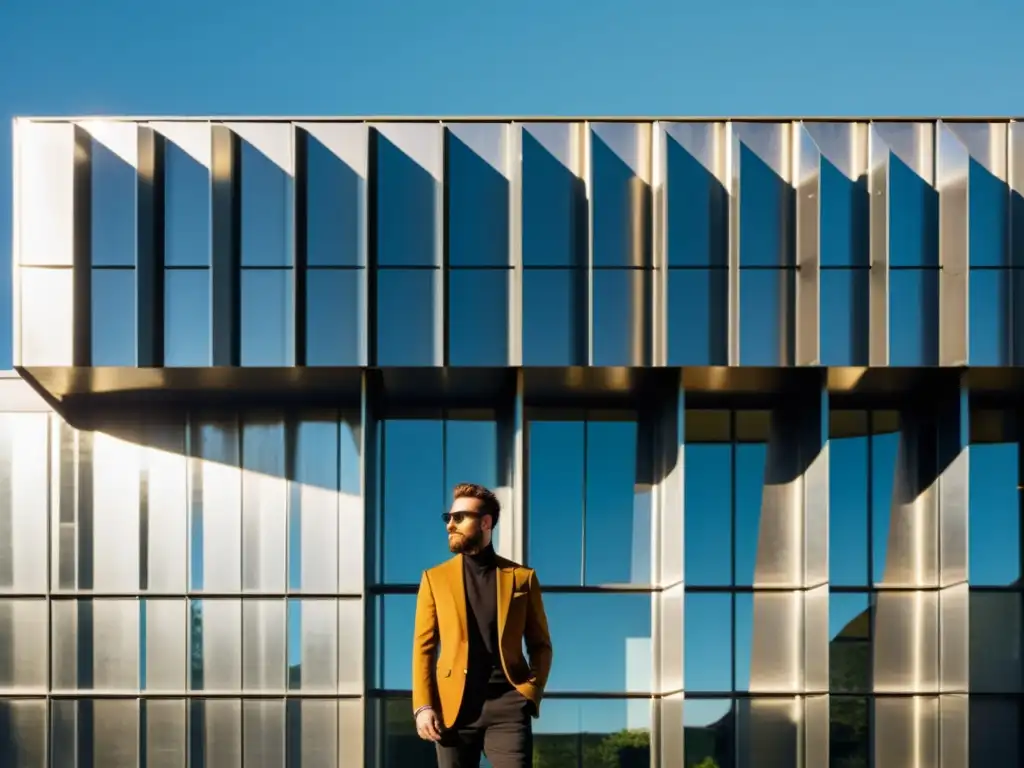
column 748, row 390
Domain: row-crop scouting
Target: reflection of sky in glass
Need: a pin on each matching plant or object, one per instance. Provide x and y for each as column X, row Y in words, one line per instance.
column 114, row 184
column 113, row 317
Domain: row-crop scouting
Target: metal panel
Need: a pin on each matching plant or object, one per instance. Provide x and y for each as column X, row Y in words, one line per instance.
column 47, row 316
column 906, row 642
column 907, row 732
column 776, row 649
column 352, row 504
column 668, row 735
column 263, row 733
column 165, row 734
column 514, row 173
column 45, row 193
column 807, row 183
column 769, row 733
column 24, row 463
column 1015, row 179
column 878, row 237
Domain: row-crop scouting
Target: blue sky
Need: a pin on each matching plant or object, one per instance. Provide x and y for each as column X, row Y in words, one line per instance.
column 531, row 57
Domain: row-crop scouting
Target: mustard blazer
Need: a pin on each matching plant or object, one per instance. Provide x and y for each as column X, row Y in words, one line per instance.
column 440, row 634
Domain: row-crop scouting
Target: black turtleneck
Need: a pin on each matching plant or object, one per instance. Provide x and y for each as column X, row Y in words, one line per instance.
column 482, row 616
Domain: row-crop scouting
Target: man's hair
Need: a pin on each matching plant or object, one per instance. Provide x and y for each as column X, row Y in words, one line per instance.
column 490, row 504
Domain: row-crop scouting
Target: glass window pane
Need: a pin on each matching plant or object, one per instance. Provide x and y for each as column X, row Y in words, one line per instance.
column 750, row 477
column 23, row 641
column 621, row 317
column 849, row 737
column 844, row 316
column 601, row 732
column 709, row 732
column 394, row 631
column 414, row 497
column 114, row 320
column 620, row 216
column 266, row 192
column 989, row 201
column 335, row 233
column 335, row 317
column 552, row 209
column 848, row 510
column 617, row 524
column 707, row 652
column 187, row 319
column 112, row 204
column 995, row 731
column 991, row 313
column 313, row 506
column 24, row 745
column 994, row 515
column 478, row 305
column 913, row 218
column 471, row 456
column 478, row 202
column 844, row 223
column 406, row 209
column 708, row 514
column 407, row 317
column 186, row 209
column 268, row 334
column 913, row 317
column 25, row 502
column 849, row 643
column 554, row 317
column 884, row 450
column 766, row 205
column 698, row 317
column 697, row 212
column 399, row 743
column 555, row 500
column 766, row 316
column 623, row 646
column 996, row 627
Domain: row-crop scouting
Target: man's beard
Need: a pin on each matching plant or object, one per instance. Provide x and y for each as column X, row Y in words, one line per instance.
column 462, row 543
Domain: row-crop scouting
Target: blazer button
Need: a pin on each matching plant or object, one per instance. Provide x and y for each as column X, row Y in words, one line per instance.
column 465, row 671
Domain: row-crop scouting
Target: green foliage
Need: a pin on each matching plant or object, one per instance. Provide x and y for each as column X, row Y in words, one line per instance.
column 707, row 762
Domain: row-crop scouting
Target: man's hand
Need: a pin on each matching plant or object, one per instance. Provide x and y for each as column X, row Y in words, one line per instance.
column 427, row 725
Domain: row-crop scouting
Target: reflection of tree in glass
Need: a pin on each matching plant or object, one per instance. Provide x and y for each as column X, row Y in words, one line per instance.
column 707, row 762
column 196, row 666
column 629, row 748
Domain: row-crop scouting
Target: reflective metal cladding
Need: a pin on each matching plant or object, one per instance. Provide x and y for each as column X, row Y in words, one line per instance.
column 747, row 386
column 607, row 243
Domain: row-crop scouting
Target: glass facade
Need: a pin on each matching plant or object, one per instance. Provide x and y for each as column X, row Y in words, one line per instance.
column 745, row 390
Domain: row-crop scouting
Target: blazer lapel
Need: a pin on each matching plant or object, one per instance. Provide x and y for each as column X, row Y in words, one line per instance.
column 457, row 586
column 505, row 583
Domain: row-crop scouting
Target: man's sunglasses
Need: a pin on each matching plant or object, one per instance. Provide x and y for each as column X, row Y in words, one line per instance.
column 458, row 517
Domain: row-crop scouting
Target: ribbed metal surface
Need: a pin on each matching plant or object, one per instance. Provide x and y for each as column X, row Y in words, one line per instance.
column 594, row 243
